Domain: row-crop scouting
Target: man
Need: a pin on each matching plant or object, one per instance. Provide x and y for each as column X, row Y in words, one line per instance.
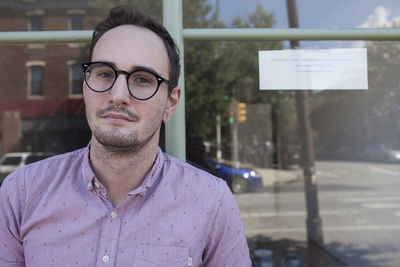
column 121, row 201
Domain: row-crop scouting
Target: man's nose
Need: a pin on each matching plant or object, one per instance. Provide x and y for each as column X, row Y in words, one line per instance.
column 120, row 92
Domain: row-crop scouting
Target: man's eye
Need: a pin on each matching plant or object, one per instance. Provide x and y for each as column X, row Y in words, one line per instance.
column 104, row 74
column 142, row 80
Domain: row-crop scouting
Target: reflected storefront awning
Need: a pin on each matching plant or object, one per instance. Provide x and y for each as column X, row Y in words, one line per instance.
column 44, row 108
column 54, row 124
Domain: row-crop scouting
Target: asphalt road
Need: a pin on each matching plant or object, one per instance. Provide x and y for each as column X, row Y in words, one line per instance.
column 359, row 204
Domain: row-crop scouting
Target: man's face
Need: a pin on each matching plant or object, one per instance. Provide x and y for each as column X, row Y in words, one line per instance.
column 136, row 123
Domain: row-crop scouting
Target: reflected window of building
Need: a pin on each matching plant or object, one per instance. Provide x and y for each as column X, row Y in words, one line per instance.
column 76, row 80
column 76, row 22
column 35, row 80
column 35, row 23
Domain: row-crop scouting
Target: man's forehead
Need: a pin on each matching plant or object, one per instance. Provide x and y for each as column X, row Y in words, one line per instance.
column 130, row 34
column 128, row 46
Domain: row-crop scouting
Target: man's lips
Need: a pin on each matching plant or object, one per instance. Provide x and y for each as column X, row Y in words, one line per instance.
column 117, row 113
column 116, row 116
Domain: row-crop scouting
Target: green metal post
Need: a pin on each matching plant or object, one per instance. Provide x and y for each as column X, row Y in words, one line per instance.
column 258, row 34
column 84, row 36
column 175, row 128
column 45, row 37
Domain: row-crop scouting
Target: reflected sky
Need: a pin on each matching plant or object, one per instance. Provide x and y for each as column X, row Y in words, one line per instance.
column 319, row 14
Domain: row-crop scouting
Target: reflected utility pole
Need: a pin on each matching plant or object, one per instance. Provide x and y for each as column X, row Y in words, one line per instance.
column 313, row 221
column 234, row 135
column 218, row 128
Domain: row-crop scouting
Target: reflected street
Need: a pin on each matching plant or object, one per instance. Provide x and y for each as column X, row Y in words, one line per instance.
column 359, row 206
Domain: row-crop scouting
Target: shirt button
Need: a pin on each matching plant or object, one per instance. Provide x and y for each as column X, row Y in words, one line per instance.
column 106, row 258
column 113, row 214
column 90, row 186
column 96, row 184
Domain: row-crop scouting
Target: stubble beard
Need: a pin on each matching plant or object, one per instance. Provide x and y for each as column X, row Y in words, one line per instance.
column 114, row 141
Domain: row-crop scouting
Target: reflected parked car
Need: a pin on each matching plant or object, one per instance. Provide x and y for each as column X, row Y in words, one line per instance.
column 382, row 153
column 239, row 180
column 12, row 161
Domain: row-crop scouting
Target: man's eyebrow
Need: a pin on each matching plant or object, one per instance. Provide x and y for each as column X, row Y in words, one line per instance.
column 135, row 68
column 143, row 68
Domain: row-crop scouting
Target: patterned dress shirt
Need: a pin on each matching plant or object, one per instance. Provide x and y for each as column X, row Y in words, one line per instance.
column 56, row 213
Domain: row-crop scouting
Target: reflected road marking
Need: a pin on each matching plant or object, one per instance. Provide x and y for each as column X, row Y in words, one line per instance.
column 294, row 213
column 325, row 229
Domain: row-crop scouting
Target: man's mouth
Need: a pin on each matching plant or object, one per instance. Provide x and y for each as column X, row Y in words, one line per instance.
column 116, row 116
column 117, row 113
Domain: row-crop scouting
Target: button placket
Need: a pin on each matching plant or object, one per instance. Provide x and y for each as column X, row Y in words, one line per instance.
column 109, row 238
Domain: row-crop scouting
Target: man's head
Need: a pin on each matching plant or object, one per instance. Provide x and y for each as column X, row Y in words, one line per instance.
column 123, row 15
column 131, row 54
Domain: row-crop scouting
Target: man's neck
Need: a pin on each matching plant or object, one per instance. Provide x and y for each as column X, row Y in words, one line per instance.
column 121, row 172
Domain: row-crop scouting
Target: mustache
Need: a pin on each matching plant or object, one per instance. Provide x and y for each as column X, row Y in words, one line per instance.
column 124, row 110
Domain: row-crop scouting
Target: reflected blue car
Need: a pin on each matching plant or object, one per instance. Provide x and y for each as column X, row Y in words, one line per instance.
column 239, row 180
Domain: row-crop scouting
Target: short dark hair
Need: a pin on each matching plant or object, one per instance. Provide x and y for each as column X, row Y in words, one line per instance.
column 124, row 15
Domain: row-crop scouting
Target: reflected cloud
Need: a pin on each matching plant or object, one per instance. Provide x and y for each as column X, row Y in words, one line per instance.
column 381, row 18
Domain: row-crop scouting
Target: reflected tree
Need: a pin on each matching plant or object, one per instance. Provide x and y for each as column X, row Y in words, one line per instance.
column 358, row 118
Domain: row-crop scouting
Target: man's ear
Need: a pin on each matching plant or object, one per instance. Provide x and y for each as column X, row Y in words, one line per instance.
column 172, row 103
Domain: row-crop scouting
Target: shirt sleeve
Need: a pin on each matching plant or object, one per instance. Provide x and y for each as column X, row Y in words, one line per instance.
column 11, row 206
column 227, row 245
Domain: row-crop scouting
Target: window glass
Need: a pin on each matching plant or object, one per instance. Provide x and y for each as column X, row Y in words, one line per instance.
column 76, row 80
column 249, row 137
column 36, row 80
column 76, row 22
column 35, row 23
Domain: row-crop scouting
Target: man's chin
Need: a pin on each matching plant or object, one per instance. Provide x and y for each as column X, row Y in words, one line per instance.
column 118, row 149
column 120, row 142
column 116, row 141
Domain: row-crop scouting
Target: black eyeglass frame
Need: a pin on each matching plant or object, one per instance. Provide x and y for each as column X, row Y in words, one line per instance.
column 160, row 79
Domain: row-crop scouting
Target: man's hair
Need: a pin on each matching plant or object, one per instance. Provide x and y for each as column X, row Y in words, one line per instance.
column 123, row 15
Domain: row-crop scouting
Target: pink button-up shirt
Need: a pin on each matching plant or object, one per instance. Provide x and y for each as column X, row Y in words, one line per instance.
column 56, row 213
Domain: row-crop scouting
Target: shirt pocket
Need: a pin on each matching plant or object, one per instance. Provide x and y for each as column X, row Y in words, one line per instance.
column 166, row 256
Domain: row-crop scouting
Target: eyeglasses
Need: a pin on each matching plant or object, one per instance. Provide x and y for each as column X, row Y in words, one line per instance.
column 142, row 83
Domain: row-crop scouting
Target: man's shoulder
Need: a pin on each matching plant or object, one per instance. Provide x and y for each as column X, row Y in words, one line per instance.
column 60, row 159
column 44, row 171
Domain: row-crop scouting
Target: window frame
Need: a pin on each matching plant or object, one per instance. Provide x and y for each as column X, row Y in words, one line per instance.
column 71, row 64
column 30, row 65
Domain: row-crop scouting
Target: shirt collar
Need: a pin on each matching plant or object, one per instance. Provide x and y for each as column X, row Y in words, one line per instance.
column 151, row 177
column 87, row 172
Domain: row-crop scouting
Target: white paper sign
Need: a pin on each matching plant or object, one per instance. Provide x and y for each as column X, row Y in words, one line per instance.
column 322, row 69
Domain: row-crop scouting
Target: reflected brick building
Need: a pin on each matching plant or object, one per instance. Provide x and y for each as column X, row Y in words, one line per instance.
column 41, row 105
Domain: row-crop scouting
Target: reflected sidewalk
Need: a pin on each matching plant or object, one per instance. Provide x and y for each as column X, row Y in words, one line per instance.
column 277, row 176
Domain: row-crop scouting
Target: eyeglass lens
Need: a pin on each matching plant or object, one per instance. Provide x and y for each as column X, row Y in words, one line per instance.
column 100, row 77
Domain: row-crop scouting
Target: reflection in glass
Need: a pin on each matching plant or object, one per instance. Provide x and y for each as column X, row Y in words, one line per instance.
column 76, row 80
column 76, row 22
column 36, row 74
column 35, row 23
